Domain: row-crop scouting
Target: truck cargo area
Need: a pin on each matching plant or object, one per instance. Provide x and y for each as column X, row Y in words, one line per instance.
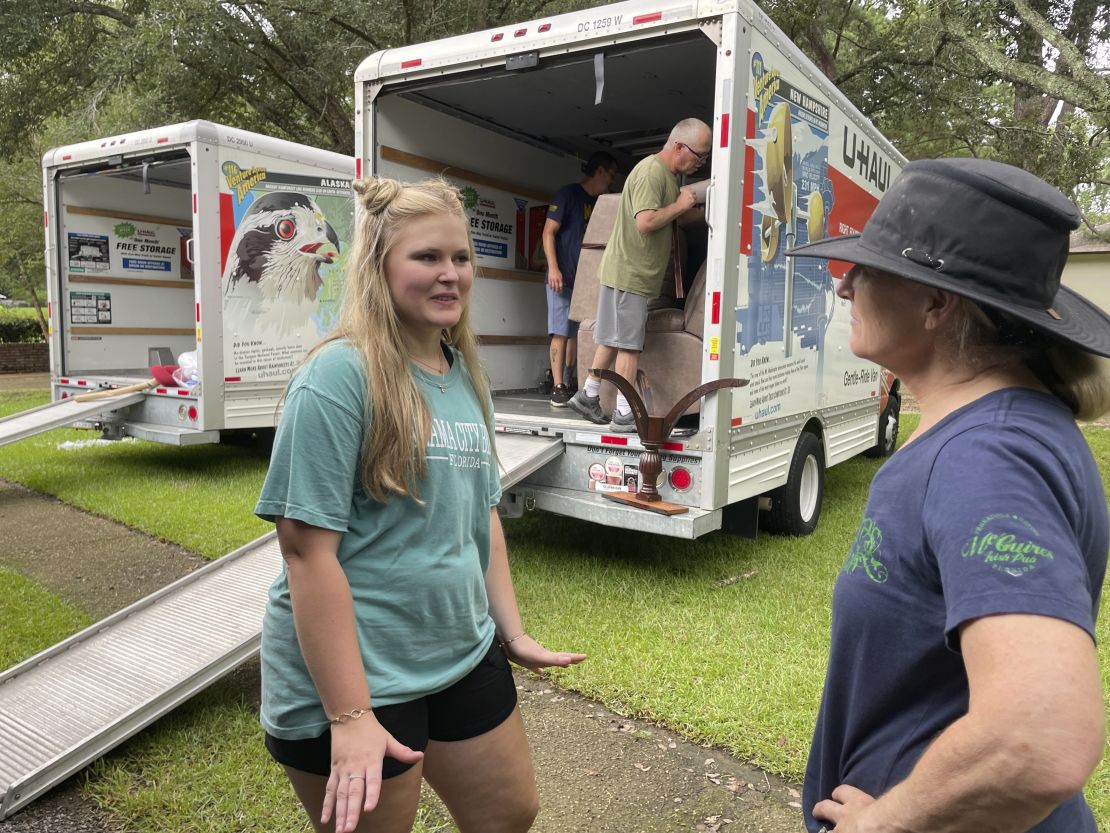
column 521, row 136
column 622, row 98
column 125, row 275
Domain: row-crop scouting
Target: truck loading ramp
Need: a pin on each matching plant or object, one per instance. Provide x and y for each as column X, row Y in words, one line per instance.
column 58, row 414
column 65, row 707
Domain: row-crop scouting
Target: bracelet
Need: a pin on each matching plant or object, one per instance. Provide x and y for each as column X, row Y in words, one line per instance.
column 353, row 714
column 505, row 644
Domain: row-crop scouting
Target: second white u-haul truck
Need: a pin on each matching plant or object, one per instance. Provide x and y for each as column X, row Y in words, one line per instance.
column 509, row 114
column 193, row 246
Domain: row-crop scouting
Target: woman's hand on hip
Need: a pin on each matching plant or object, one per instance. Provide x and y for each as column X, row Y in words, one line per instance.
column 357, row 749
column 528, row 653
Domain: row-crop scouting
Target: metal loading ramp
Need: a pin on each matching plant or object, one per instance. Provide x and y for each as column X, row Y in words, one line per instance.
column 519, row 455
column 65, row 707
column 57, row 414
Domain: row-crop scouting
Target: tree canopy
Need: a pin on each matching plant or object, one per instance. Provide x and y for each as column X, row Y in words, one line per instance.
column 1021, row 81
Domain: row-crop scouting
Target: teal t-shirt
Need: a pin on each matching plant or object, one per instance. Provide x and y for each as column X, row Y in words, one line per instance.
column 417, row 573
column 635, row 262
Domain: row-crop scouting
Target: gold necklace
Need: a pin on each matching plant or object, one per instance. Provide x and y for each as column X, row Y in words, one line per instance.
column 439, row 372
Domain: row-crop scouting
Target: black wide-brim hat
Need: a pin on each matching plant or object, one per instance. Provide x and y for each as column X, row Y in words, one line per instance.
column 987, row 231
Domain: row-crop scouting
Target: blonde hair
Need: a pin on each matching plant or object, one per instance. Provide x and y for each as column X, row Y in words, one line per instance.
column 400, row 425
column 1081, row 380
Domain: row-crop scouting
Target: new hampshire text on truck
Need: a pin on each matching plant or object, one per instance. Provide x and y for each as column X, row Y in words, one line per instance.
column 509, row 113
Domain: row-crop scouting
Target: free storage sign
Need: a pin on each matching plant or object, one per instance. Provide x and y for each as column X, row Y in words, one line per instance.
column 123, row 248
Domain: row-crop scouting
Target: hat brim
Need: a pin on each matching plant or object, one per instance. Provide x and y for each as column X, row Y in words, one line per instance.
column 1079, row 321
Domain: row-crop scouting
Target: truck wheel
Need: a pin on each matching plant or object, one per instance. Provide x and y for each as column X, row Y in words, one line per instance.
column 796, row 505
column 888, row 429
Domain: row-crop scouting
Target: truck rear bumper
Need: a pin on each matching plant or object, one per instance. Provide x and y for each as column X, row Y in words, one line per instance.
column 594, row 507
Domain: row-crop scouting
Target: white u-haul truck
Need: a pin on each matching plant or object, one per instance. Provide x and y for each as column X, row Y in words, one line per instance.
column 192, row 246
column 509, row 114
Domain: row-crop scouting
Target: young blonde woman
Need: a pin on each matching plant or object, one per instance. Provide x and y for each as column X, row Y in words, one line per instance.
column 386, row 638
column 963, row 687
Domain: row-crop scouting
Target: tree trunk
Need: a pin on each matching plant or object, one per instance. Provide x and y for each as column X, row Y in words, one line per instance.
column 29, row 283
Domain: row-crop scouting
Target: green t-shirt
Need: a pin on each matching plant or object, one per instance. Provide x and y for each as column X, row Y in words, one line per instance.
column 417, row 573
column 632, row 261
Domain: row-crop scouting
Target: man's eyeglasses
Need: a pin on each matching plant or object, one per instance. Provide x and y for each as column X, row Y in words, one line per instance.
column 701, row 156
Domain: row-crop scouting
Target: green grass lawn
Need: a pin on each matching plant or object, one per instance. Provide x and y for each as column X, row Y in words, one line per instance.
column 722, row 639
column 18, row 312
column 200, row 497
column 32, row 619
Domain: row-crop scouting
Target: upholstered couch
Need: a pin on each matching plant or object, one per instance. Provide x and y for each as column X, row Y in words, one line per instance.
column 673, row 350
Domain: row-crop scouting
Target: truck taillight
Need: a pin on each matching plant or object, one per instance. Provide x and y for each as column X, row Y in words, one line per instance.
column 681, row 479
column 193, row 413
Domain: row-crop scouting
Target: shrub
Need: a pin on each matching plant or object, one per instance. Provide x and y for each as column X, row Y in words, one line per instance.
column 19, row 329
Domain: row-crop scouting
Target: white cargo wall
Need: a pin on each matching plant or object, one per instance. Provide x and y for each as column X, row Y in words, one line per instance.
column 506, row 184
column 125, row 284
column 285, row 232
column 792, row 332
column 791, row 327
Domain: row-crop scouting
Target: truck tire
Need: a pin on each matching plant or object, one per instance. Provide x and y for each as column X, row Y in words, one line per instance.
column 796, row 505
column 888, row 429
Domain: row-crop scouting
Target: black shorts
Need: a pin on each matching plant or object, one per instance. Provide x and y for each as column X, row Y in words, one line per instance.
column 480, row 701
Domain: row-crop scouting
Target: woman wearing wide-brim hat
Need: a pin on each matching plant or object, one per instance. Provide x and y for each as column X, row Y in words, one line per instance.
column 963, row 687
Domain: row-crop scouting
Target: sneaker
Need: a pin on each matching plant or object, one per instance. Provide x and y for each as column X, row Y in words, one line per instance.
column 559, row 396
column 623, row 423
column 572, row 385
column 588, row 407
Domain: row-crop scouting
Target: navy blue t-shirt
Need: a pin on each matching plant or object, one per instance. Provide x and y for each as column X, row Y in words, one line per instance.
column 571, row 209
column 999, row 508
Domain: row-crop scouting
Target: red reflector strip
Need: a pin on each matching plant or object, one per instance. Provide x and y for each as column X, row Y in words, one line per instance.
column 415, row 62
column 161, row 140
column 82, row 382
column 63, row 381
column 160, row 390
column 45, row 220
column 194, row 203
column 647, row 18
column 673, row 446
column 358, row 169
column 606, row 440
column 737, row 421
column 746, row 218
column 520, row 33
column 183, row 392
column 198, row 312
column 724, row 130
column 715, row 308
column 233, row 378
column 497, row 37
column 67, row 157
column 545, row 27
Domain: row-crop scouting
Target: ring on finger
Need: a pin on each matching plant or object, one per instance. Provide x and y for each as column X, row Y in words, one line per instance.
column 356, row 777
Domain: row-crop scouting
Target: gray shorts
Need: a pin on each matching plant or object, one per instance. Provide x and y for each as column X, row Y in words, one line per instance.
column 621, row 319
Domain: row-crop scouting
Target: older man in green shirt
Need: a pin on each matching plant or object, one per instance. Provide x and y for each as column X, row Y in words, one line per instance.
column 635, row 261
